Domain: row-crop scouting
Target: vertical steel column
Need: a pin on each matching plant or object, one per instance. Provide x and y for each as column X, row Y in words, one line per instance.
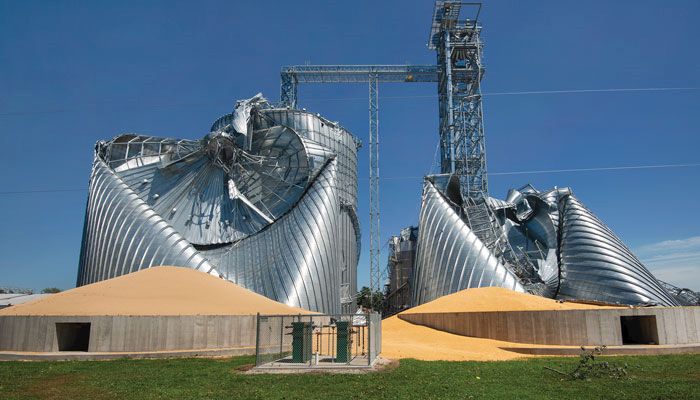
column 444, row 106
column 450, row 101
column 374, row 237
column 472, row 121
column 288, row 89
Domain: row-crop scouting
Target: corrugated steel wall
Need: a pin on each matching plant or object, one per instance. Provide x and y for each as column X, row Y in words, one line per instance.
column 450, row 257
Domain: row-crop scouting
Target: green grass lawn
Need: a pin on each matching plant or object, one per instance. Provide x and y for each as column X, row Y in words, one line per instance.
column 649, row 377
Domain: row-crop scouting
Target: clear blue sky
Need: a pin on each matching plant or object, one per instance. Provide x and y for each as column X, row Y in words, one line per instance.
column 74, row 72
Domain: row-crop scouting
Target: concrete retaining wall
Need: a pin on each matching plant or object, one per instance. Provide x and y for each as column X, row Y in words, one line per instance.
column 133, row 333
column 675, row 325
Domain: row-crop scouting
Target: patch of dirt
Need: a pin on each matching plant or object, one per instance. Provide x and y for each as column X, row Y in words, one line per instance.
column 244, row 367
column 64, row 386
column 386, row 365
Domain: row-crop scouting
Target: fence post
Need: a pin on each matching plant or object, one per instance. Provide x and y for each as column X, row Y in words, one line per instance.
column 257, row 340
column 369, row 338
column 281, row 335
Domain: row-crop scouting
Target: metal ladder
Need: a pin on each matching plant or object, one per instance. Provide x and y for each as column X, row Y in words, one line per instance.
column 483, row 223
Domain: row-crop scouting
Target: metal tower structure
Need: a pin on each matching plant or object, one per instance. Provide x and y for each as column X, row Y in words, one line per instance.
column 292, row 76
column 457, row 41
column 375, row 273
column 459, row 50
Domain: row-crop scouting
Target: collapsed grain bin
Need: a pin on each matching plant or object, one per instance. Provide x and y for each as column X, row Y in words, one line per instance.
column 542, row 242
column 266, row 200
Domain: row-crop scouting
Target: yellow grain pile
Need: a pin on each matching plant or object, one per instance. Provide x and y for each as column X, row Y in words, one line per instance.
column 156, row 291
column 401, row 339
column 495, row 299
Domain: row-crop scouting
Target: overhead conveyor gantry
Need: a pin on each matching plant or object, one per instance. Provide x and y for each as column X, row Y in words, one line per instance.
column 292, row 76
column 458, row 72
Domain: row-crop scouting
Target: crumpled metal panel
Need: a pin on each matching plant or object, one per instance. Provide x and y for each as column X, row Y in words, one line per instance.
column 329, row 134
column 552, row 198
column 241, row 113
column 272, row 208
column 596, row 265
column 536, row 238
column 498, row 204
column 522, row 207
column 296, row 259
column 123, row 234
column 210, row 203
column 450, row 257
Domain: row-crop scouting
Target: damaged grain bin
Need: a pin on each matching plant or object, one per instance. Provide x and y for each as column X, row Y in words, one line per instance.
column 267, row 199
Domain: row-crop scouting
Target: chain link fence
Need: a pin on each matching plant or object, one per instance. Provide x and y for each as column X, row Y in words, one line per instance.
column 317, row 341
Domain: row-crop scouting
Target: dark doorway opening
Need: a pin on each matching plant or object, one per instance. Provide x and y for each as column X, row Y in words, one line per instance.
column 639, row 329
column 73, row 336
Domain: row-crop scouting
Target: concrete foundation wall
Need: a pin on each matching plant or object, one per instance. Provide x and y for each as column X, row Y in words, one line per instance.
column 133, row 333
column 675, row 325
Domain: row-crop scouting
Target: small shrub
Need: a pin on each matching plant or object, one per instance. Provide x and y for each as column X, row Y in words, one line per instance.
column 588, row 368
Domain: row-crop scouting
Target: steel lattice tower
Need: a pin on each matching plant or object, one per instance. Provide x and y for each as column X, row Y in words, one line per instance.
column 374, row 235
column 459, row 51
column 458, row 44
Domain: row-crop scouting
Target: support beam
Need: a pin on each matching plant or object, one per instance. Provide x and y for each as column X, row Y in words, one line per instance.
column 374, row 234
column 288, row 90
column 355, row 74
